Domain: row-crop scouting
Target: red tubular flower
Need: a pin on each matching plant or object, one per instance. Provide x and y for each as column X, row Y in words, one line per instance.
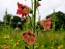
column 29, row 37
column 47, row 24
column 22, row 9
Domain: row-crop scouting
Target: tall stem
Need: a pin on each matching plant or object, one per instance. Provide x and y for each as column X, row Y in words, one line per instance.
column 34, row 18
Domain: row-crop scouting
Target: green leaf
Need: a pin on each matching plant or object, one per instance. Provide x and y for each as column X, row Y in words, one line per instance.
column 26, row 47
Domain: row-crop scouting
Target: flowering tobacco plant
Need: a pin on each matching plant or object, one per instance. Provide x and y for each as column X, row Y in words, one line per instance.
column 47, row 23
column 29, row 37
column 23, row 9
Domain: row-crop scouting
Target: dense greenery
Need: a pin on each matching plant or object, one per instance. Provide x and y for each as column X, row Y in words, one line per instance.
column 12, row 39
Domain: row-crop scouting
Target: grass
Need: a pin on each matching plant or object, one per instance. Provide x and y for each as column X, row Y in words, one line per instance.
column 12, row 39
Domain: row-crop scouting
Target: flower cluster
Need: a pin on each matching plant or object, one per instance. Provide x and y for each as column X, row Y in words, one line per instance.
column 29, row 37
column 47, row 23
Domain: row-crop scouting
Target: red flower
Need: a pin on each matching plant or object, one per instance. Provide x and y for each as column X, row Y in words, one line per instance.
column 22, row 9
column 29, row 37
column 47, row 24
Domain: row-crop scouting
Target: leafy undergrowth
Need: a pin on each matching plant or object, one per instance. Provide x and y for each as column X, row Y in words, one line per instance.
column 12, row 39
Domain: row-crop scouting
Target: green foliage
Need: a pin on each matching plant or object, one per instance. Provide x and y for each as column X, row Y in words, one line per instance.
column 7, row 18
column 16, row 19
column 13, row 39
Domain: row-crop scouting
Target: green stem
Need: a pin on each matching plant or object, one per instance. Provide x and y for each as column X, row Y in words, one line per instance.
column 34, row 18
column 27, row 23
column 32, row 14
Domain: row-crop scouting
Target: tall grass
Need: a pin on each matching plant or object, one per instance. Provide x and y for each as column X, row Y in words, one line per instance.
column 12, row 39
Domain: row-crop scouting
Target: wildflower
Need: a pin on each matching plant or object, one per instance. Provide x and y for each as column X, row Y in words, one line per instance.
column 11, row 40
column 5, row 47
column 6, row 36
column 35, row 46
column 42, row 45
column 22, row 9
column 60, row 46
column 17, row 43
column 29, row 37
column 14, row 45
column 52, row 47
column 47, row 24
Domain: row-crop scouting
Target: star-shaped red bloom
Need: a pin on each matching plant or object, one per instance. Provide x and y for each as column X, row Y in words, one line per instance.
column 29, row 37
column 47, row 24
column 22, row 9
